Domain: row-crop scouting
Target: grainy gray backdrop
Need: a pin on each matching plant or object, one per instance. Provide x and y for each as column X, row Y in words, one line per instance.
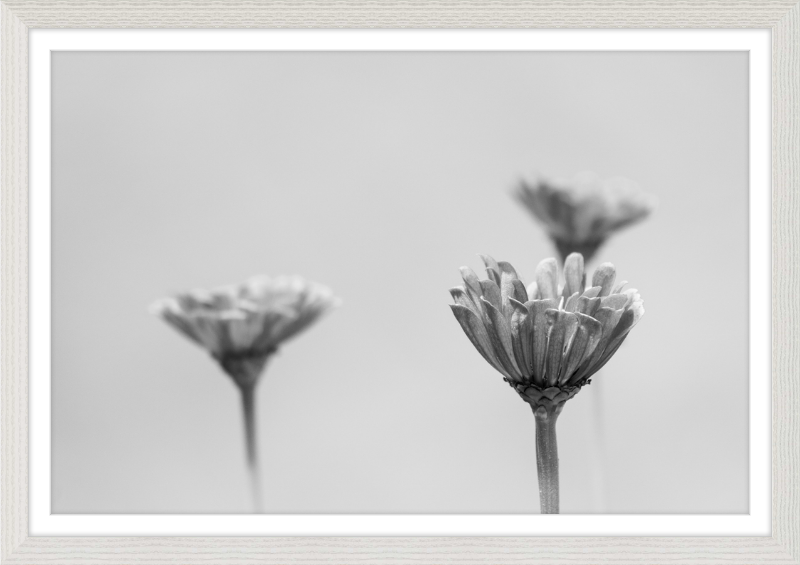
column 381, row 174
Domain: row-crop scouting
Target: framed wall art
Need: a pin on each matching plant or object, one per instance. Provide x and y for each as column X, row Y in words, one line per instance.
column 349, row 281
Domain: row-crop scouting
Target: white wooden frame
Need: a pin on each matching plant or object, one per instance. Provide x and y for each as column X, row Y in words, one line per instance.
column 17, row 17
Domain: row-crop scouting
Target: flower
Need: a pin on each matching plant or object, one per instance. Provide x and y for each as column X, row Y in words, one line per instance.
column 242, row 325
column 545, row 341
column 579, row 215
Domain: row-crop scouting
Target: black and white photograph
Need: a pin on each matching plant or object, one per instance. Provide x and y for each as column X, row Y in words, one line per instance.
column 418, row 282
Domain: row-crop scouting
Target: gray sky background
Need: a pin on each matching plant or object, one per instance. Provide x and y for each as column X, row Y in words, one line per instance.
column 380, row 175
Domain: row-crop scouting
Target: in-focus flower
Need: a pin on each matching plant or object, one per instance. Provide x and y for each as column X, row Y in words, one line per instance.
column 241, row 326
column 580, row 214
column 547, row 340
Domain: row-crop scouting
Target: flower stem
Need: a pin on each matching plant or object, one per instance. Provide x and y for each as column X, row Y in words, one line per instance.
column 598, row 437
column 249, row 411
column 547, row 457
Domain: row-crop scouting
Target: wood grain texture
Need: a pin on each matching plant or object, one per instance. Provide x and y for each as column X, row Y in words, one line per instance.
column 782, row 16
column 785, row 278
column 400, row 14
column 14, row 280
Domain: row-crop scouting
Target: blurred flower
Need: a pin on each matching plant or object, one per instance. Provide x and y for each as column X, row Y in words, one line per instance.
column 546, row 341
column 579, row 215
column 242, row 325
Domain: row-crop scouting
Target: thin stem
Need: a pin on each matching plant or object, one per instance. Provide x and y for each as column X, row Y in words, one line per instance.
column 249, row 411
column 547, row 458
column 598, row 450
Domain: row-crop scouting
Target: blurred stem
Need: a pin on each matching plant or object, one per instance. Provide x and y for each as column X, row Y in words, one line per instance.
column 585, row 248
column 547, row 458
column 598, row 442
column 249, row 411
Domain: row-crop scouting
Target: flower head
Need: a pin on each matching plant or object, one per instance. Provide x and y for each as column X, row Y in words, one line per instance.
column 546, row 341
column 242, row 325
column 580, row 214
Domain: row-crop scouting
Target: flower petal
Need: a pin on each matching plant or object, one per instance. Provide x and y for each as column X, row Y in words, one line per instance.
column 573, row 275
column 586, row 339
column 529, row 196
column 521, row 329
column 547, row 278
column 491, row 292
column 492, row 268
column 638, row 311
column 631, row 294
column 608, row 319
column 540, row 326
column 592, row 291
column 506, row 269
column 472, row 285
column 626, row 322
column 508, row 278
column 604, row 277
column 499, row 329
column 176, row 319
column 588, row 305
column 624, row 325
column 477, row 334
column 563, row 328
column 533, row 291
column 618, row 287
column 511, row 283
column 571, row 303
column 271, row 325
column 244, row 333
column 240, row 319
column 290, row 326
column 614, row 301
column 605, row 358
column 208, row 333
column 462, row 298
column 623, row 328
column 520, row 293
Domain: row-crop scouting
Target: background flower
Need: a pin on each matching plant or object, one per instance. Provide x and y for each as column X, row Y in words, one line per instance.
column 241, row 325
column 580, row 214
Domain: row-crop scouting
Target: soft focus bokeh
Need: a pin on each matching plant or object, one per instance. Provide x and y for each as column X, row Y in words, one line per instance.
column 379, row 175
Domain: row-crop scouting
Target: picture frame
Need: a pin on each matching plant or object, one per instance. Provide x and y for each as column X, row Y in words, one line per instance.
column 19, row 17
